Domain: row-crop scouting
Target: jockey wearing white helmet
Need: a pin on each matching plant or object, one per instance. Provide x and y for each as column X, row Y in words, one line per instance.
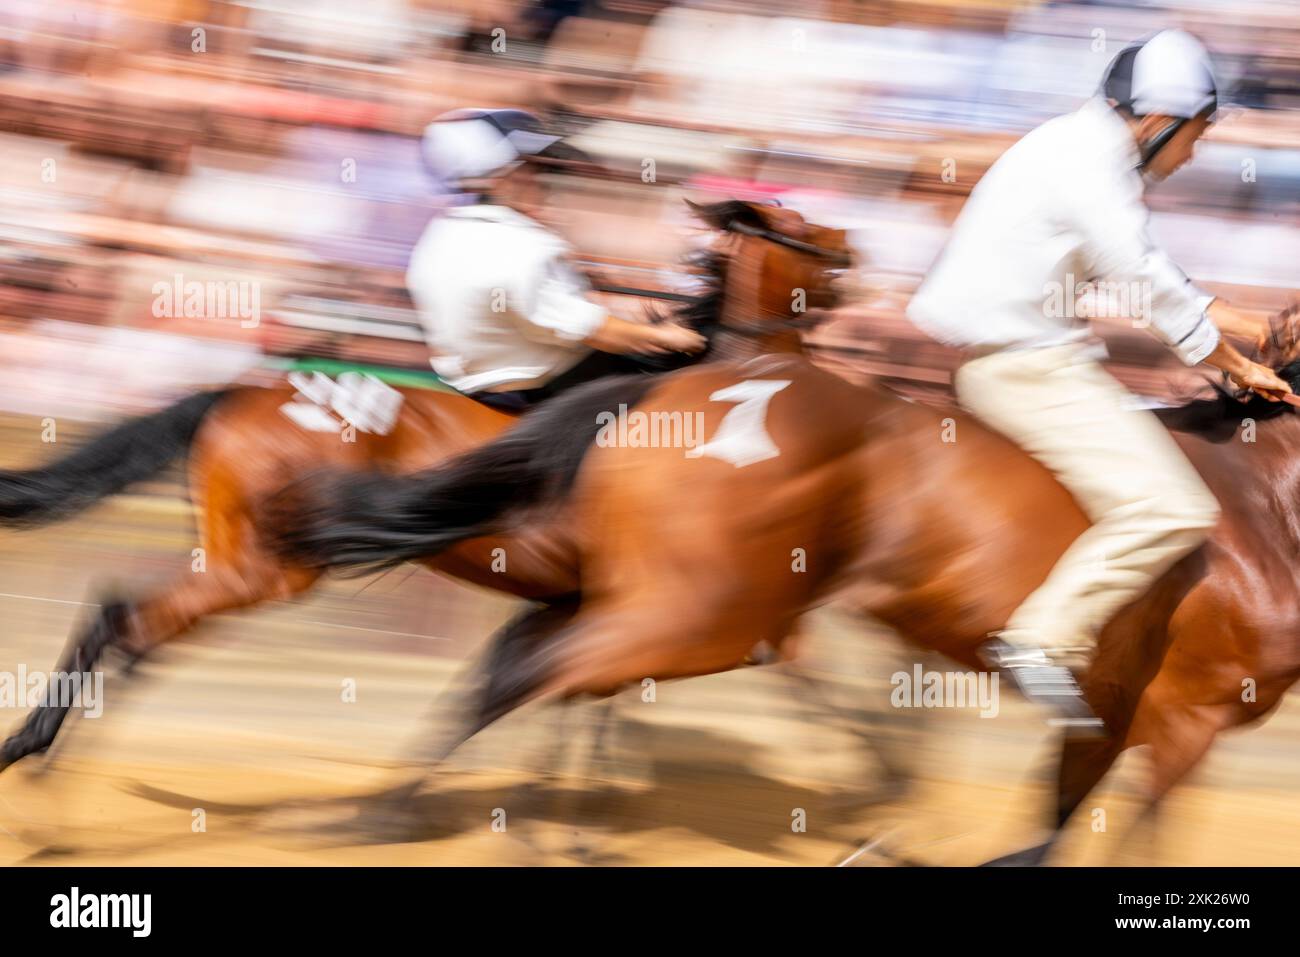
column 507, row 316
column 1059, row 210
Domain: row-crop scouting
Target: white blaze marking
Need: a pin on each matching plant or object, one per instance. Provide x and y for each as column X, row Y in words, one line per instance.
column 742, row 437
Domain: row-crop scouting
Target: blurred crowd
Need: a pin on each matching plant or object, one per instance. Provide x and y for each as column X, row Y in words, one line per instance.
column 276, row 144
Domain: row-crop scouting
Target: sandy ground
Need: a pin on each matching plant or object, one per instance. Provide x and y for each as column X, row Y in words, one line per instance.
column 238, row 746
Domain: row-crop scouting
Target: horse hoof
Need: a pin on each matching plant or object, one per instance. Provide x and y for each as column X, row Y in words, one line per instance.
column 1029, row 857
column 12, row 751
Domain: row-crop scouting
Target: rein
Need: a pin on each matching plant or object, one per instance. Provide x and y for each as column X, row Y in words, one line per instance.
column 617, row 290
column 790, row 242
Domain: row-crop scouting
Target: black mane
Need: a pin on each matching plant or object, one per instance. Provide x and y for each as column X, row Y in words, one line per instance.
column 1218, row 418
column 703, row 312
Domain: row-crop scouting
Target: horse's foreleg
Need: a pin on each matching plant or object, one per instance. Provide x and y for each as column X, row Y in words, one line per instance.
column 1179, row 735
column 459, row 714
column 480, row 701
column 1083, row 764
column 462, row 711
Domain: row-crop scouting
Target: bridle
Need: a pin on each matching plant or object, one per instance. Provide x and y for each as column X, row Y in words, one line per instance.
column 838, row 259
column 837, row 256
column 762, row 329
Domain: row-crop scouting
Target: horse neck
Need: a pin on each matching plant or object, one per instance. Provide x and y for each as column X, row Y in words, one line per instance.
column 1286, row 473
column 734, row 342
column 1268, row 468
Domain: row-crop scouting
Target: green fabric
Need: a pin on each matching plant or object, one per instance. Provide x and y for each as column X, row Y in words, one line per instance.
column 398, row 378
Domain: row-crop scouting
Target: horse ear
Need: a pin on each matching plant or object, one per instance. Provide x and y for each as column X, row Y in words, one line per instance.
column 781, row 219
column 726, row 214
column 702, row 213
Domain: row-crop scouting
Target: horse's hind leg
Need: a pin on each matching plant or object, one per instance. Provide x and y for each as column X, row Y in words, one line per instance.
column 563, row 651
column 470, row 711
column 79, row 658
column 459, row 714
column 136, row 628
column 577, row 754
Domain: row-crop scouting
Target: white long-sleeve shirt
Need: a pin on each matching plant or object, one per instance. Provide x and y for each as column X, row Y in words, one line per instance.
column 500, row 305
column 1061, row 207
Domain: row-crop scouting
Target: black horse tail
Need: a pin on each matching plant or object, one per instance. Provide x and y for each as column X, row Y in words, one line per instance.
column 135, row 450
column 371, row 519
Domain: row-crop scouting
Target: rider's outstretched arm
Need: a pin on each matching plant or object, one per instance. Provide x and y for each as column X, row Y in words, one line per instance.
column 559, row 308
column 1110, row 213
column 1113, row 219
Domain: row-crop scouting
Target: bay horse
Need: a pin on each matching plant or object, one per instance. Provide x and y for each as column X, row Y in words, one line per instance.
column 810, row 487
column 243, row 446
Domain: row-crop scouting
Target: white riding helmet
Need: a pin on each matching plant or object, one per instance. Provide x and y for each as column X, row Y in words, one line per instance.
column 473, row 144
column 1170, row 74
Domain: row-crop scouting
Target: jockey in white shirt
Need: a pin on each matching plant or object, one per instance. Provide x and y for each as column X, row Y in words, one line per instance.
column 1062, row 207
column 507, row 316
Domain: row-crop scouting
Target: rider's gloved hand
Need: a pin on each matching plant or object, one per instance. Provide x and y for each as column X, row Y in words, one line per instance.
column 1259, row 379
column 674, row 338
column 636, row 338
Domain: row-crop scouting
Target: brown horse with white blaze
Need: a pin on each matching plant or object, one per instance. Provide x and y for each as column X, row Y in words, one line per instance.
column 809, row 487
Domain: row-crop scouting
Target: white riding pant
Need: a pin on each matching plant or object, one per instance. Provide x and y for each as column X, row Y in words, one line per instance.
column 1148, row 505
